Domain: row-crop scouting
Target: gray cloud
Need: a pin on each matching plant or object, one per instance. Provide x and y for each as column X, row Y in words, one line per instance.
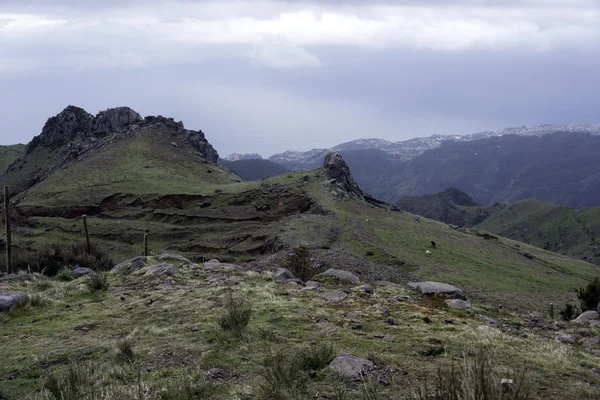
column 266, row 77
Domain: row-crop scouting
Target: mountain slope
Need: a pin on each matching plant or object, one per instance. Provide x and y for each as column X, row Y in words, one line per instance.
column 253, row 169
column 8, row 154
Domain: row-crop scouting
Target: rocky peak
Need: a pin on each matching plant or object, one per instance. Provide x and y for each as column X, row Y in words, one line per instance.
column 62, row 128
column 337, row 171
column 115, row 119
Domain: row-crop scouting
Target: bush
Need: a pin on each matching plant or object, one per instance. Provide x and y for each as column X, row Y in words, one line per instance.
column 71, row 384
column 98, row 282
column 589, row 296
column 569, row 312
column 190, row 388
column 65, row 274
column 300, row 263
column 283, row 377
column 51, row 258
column 477, row 377
column 125, row 351
column 237, row 315
column 317, row 357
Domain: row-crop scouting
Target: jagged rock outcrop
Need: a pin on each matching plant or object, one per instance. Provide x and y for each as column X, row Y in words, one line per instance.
column 114, row 119
column 337, row 172
column 62, row 128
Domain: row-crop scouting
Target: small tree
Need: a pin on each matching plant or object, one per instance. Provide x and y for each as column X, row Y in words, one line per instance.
column 589, row 296
column 300, row 262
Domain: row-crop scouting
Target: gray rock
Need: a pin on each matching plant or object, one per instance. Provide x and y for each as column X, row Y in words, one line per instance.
column 213, row 260
column 295, row 280
column 115, row 119
column 222, row 279
column 219, row 267
column 429, row 288
column 587, row 316
column 460, row 304
column 282, row 274
column 79, row 272
column 336, row 168
column 487, row 319
column 173, row 257
column 162, row 269
column 351, row 367
column 119, row 290
column 354, row 315
column 9, row 299
column 311, row 284
column 364, row 288
column 129, row 266
column 407, row 299
column 333, row 296
column 340, row 275
column 595, row 323
column 567, row 338
column 383, row 310
column 15, row 277
column 63, row 127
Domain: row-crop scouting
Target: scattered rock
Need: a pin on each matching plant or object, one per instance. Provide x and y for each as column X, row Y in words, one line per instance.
column 79, row 272
column 429, row 288
column 129, row 266
column 357, row 327
column 173, row 257
column 17, row 277
column 222, row 279
column 383, row 310
column 460, row 304
column 162, row 269
column 408, row 299
column 9, row 299
column 391, row 321
column 218, row 266
column 427, row 320
column 295, row 280
column 364, row 289
column 567, row 338
column 351, row 366
column 340, row 275
column 118, row 290
column 354, row 315
column 282, row 274
column 587, row 316
column 334, row 296
column 487, row 319
column 311, row 285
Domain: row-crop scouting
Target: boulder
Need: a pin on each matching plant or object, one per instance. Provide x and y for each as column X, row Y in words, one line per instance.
column 431, row 288
column 567, row 338
column 17, row 277
column 282, row 274
column 460, row 304
column 364, row 289
column 336, row 170
column 129, row 266
column 173, row 257
column 115, row 119
column 219, row 267
column 587, row 316
column 311, row 285
column 340, row 275
column 333, row 296
column 79, row 272
column 161, row 269
column 381, row 309
column 351, row 367
column 354, row 316
column 9, row 299
column 296, row 281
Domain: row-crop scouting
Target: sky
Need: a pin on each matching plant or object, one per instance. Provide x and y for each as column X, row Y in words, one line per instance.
column 270, row 76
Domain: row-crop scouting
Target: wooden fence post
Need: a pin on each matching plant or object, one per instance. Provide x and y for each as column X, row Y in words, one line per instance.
column 87, row 235
column 551, row 310
column 8, row 236
column 145, row 245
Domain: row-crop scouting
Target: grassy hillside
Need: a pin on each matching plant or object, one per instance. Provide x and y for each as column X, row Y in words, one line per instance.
column 8, row 154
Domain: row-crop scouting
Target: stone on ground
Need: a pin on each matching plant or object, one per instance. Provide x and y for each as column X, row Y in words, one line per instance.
column 162, row 269
column 429, row 288
column 340, row 275
column 219, row 266
column 9, row 299
column 460, row 304
column 351, row 366
column 17, row 277
column 173, row 257
column 333, row 296
column 129, row 266
column 282, row 274
column 79, row 272
column 587, row 316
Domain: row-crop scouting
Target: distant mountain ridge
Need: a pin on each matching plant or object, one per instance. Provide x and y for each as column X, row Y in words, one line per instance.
column 243, row 156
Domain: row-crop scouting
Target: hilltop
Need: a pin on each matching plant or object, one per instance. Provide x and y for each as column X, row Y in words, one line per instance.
column 136, row 176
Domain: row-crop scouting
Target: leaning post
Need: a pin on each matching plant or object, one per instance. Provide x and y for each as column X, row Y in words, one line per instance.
column 87, row 234
column 145, row 245
column 8, row 235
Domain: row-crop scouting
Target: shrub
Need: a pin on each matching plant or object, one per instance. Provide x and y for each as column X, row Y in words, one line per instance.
column 589, row 296
column 50, row 258
column 569, row 312
column 125, row 351
column 71, row 384
column 98, row 282
column 65, row 274
column 190, row 388
column 318, row 357
column 477, row 377
column 283, row 377
column 300, row 263
column 237, row 315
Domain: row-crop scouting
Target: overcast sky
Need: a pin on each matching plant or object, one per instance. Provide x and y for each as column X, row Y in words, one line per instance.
column 262, row 76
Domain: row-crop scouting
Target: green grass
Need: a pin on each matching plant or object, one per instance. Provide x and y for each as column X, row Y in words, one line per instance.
column 8, row 154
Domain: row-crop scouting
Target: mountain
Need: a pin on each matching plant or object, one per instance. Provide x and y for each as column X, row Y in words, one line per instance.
column 253, row 169
column 8, row 154
column 149, row 177
column 238, row 157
